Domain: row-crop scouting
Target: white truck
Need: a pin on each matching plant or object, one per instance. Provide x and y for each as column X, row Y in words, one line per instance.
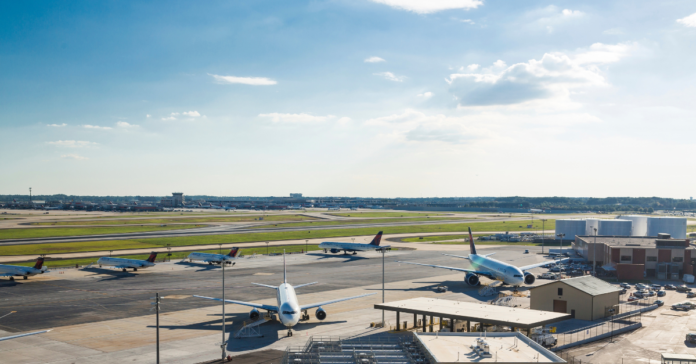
column 543, row 337
column 688, row 278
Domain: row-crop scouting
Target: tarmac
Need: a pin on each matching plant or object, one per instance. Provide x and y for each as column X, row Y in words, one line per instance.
column 103, row 316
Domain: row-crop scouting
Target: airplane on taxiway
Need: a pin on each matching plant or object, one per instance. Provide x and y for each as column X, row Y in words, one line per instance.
column 490, row 268
column 215, row 258
column 20, row 271
column 288, row 308
column 336, row 247
column 124, row 263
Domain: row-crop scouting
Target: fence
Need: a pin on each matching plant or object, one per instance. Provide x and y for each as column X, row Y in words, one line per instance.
column 608, row 328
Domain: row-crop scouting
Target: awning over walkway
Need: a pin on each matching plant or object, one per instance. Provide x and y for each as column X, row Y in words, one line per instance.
column 476, row 312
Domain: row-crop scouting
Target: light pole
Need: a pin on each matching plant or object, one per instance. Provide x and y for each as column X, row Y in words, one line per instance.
column 224, row 343
column 542, row 235
column 594, row 252
column 157, row 308
column 305, row 246
column 383, row 249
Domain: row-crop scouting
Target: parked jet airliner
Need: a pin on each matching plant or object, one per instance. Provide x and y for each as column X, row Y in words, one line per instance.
column 288, row 309
column 215, row 258
column 335, row 247
column 20, row 271
column 123, row 263
column 490, row 268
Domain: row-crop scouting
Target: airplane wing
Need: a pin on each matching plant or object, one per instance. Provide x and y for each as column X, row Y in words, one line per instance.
column 456, row 256
column 22, row 335
column 250, row 304
column 306, row 284
column 481, row 273
column 265, row 285
column 313, row 305
column 526, row 267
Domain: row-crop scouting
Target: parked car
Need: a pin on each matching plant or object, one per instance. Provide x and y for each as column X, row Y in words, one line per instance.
column 690, row 295
column 656, row 286
column 660, row 303
column 670, row 286
column 633, row 298
column 681, row 306
column 623, row 291
column 651, row 293
column 625, row 285
column 683, row 288
column 661, row 293
column 637, row 295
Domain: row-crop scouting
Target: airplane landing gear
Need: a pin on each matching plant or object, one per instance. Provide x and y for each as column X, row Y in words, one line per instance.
column 289, row 332
column 355, row 253
column 25, row 277
column 305, row 316
column 12, row 279
column 124, row 270
column 135, row 269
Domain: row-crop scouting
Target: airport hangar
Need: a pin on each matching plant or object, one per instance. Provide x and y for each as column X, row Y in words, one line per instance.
column 638, row 257
column 466, row 312
column 585, row 298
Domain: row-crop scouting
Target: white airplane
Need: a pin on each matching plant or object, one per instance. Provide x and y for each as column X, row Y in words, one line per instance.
column 336, row 247
column 288, row 309
column 490, row 268
column 214, row 258
column 20, row 271
column 123, row 263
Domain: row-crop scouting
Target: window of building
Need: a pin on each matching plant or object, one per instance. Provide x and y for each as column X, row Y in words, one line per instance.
column 560, row 291
column 678, row 259
column 652, row 259
column 625, row 258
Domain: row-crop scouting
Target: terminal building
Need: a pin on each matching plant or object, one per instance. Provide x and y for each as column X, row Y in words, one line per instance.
column 626, row 225
column 659, row 257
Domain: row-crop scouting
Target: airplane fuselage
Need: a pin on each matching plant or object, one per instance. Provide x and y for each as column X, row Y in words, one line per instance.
column 210, row 257
column 504, row 272
column 349, row 246
column 19, row 270
column 123, row 262
column 288, row 308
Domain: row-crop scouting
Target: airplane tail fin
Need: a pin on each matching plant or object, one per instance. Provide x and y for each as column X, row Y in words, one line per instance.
column 472, row 246
column 39, row 263
column 152, row 257
column 377, row 239
column 234, row 252
column 285, row 269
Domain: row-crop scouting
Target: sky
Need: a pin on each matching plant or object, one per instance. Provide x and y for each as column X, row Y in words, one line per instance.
column 372, row 98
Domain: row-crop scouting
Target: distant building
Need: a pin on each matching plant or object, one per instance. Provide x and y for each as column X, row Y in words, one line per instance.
column 177, row 200
column 296, row 195
column 584, row 298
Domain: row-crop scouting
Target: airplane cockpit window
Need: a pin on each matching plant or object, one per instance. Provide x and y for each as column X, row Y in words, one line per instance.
column 289, row 312
column 518, row 275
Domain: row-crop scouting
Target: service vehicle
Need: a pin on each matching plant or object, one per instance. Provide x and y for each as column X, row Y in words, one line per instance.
column 543, row 337
column 691, row 338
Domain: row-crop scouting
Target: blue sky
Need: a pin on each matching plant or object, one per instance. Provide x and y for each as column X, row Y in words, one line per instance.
column 392, row 98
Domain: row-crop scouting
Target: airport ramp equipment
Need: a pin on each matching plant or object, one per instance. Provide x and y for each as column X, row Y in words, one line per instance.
column 251, row 329
column 487, row 291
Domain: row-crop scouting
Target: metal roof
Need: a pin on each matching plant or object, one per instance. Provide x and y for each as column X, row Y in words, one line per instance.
column 477, row 312
column 588, row 284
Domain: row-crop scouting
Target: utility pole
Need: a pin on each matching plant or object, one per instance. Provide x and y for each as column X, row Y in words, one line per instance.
column 30, row 204
column 305, row 246
column 543, row 231
column 383, row 249
column 224, row 343
column 594, row 254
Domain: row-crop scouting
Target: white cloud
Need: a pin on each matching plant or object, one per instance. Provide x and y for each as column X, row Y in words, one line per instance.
column 96, row 127
column 301, row 118
column 194, row 114
column 431, row 6
column 344, row 121
column 415, row 126
column 57, row 125
column 72, row 143
column 254, row 81
column 374, row 60
column 473, row 67
column 126, row 125
column 426, row 95
column 175, row 114
column 168, row 118
column 551, row 17
column 572, row 13
column 499, row 63
column 74, row 156
column 554, row 75
column 689, row 21
column 390, row 76
column 148, row 116
column 614, row 31
column 468, row 21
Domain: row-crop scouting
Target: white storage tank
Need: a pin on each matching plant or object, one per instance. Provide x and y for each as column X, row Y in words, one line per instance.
column 570, row 227
column 640, row 224
column 592, row 224
column 615, row 227
column 675, row 226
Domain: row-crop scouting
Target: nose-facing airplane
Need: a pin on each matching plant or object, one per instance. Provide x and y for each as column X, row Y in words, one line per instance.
column 490, row 268
column 288, row 308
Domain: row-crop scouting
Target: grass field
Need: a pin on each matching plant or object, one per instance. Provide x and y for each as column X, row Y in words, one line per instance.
column 175, row 255
column 354, row 222
column 252, row 237
column 190, row 220
column 435, row 238
column 50, row 232
column 385, row 214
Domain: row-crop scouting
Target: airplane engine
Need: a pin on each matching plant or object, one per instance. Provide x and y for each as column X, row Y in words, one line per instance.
column 335, row 251
column 472, row 280
column 529, row 278
column 254, row 314
column 320, row 314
